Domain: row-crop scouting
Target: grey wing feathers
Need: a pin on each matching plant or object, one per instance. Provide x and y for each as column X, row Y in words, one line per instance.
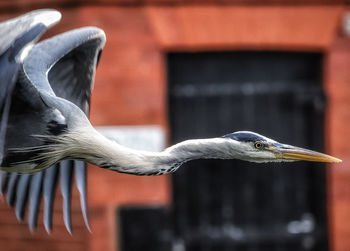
column 49, row 189
column 21, row 195
column 34, row 199
column 13, row 29
column 16, row 36
column 66, row 188
column 70, row 60
column 80, row 179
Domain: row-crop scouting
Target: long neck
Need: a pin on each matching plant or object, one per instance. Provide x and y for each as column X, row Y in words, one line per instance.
column 110, row 155
column 212, row 148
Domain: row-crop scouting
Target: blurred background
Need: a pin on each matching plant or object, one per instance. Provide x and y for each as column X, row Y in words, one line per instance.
column 173, row 70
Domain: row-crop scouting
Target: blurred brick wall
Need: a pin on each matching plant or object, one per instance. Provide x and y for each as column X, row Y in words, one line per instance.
column 337, row 85
column 130, row 89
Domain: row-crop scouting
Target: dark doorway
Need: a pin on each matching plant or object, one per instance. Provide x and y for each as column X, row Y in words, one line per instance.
column 235, row 205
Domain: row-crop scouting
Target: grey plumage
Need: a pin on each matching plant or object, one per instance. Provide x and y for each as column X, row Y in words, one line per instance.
column 16, row 36
column 80, row 179
column 66, row 182
column 22, row 195
column 34, row 199
column 71, row 60
column 3, row 181
column 11, row 188
column 49, row 188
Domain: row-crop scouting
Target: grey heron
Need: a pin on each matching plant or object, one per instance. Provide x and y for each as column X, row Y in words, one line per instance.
column 49, row 135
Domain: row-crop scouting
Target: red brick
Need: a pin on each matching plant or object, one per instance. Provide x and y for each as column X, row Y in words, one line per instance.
column 130, row 89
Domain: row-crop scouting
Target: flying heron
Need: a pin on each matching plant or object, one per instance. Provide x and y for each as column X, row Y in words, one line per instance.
column 49, row 135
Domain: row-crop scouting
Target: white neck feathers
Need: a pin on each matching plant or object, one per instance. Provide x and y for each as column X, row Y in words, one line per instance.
column 98, row 150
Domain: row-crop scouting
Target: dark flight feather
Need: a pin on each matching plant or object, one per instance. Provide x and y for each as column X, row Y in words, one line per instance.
column 22, row 195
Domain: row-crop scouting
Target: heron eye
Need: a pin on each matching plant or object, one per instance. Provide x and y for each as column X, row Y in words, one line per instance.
column 258, row 145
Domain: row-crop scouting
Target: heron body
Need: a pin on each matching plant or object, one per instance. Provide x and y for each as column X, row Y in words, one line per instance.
column 49, row 136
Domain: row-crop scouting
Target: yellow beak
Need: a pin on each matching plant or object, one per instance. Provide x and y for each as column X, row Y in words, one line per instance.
column 296, row 153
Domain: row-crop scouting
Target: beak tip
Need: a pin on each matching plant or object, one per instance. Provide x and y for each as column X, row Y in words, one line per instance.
column 334, row 159
column 337, row 160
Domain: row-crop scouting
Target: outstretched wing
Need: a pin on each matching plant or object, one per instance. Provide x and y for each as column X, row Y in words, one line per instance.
column 64, row 67
column 16, row 37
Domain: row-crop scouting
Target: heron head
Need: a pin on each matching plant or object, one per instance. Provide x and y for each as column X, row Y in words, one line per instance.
column 257, row 148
